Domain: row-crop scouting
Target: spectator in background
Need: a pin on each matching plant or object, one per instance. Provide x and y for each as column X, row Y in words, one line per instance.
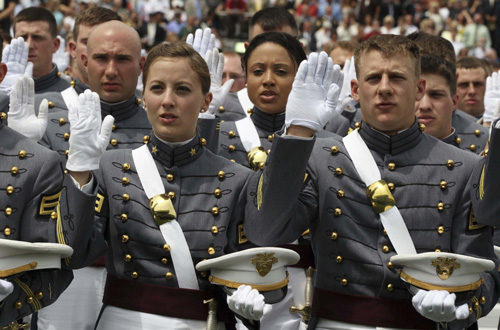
column 348, row 28
column 323, row 36
column 6, row 11
column 427, row 26
column 152, row 32
column 453, row 36
column 342, row 51
column 176, row 24
column 306, row 36
column 388, row 25
column 375, row 31
column 474, row 31
column 192, row 23
column 433, row 14
column 233, row 70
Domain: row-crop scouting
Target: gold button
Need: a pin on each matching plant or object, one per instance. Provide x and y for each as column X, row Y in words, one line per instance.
column 62, row 121
column 66, row 153
column 124, row 217
column 231, row 148
column 125, row 197
column 250, row 111
column 270, row 138
column 128, row 257
column 334, row 149
column 18, row 305
column 3, row 115
column 338, row 259
column 232, row 134
column 440, row 206
column 29, row 299
column 66, row 136
column 222, row 109
column 344, row 282
column 477, row 132
column 8, row 211
column 473, row 147
column 390, row 265
column 215, row 210
column 440, row 230
column 171, row 195
column 217, row 192
column 203, row 142
column 221, row 174
column 6, row 231
column 470, row 310
column 384, row 232
column 338, row 171
column 169, row 276
column 391, row 166
column 10, row 190
column 72, row 83
column 125, row 180
column 335, row 236
column 135, row 275
column 126, row 166
column 385, row 249
column 53, row 215
column 51, row 104
column 262, row 165
column 421, row 127
column 14, row 170
column 449, row 163
column 138, row 101
column 145, row 139
column 268, row 151
column 166, row 247
column 39, row 295
column 211, row 250
column 114, row 142
column 482, row 300
column 357, row 125
column 164, row 261
column 214, row 230
column 437, row 250
column 476, row 305
column 443, row 184
column 59, row 73
column 124, row 238
column 113, row 127
column 203, row 274
column 390, row 287
column 338, row 212
column 391, row 185
column 22, row 154
column 458, row 140
column 340, row 193
column 170, row 177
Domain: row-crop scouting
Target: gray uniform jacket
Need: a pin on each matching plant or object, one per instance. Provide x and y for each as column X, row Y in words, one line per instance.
column 428, row 179
column 232, row 109
column 55, row 99
column 31, row 180
column 131, row 127
column 470, row 135
column 51, row 82
column 209, row 196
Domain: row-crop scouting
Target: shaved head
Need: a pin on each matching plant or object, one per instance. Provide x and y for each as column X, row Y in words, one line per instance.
column 118, row 30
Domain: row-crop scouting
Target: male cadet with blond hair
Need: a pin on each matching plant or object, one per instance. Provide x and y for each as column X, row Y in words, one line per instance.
column 353, row 235
column 37, row 26
column 113, row 64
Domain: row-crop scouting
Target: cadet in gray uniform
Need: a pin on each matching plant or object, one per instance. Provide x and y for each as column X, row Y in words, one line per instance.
column 355, row 281
column 206, row 194
column 30, row 183
column 39, row 29
column 470, row 135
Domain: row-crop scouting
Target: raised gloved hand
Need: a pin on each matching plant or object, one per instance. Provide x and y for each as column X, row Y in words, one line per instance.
column 491, row 96
column 248, row 303
column 313, row 99
column 496, row 116
column 203, row 41
column 15, row 56
column 6, row 288
column 215, row 62
column 439, row 306
column 22, row 117
column 88, row 137
column 61, row 56
column 346, row 102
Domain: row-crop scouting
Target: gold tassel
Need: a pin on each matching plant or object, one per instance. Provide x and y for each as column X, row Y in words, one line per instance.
column 481, row 183
column 212, row 314
column 259, row 191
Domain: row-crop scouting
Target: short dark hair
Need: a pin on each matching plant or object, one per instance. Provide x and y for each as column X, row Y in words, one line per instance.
column 470, row 62
column 432, row 64
column 434, row 45
column 274, row 18
column 345, row 44
column 291, row 44
column 92, row 17
column 37, row 14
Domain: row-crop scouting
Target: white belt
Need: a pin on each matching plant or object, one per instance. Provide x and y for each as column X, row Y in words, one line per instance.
column 248, row 133
column 171, row 230
column 244, row 100
column 70, row 97
column 368, row 171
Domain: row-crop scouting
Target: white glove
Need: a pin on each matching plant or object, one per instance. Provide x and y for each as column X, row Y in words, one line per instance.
column 496, row 115
column 61, row 57
column 439, row 306
column 22, row 117
column 86, row 143
column 313, row 99
column 6, row 288
column 215, row 62
column 491, row 97
column 248, row 303
column 15, row 56
column 346, row 102
column 203, row 41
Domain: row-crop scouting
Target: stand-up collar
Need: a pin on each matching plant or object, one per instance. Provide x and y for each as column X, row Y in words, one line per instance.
column 121, row 110
column 267, row 122
column 392, row 145
column 79, row 86
column 179, row 156
column 452, row 138
column 48, row 80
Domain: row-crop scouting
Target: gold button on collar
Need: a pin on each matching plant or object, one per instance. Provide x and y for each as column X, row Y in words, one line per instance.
column 250, row 111
column 169, row 276
column 14, row 170
column 340, row 194
column 138, row 101
column 128, row 257
column 214, row 230
column 59, row 73
column 125, row 197
column 443, row 184
column 338, row 212
column 125, row 238
column 357, row 125
column 385, row 249
column 335, row 235
column 166, row 247
column 211, row 250
column 126, row 166
column 391, row 166
column 170, row 177
column 458, row 140
column 440, row 230
column 72, row 83
column 145, row 139
column 421, row 127
column 22, row 154
column 203, row 142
